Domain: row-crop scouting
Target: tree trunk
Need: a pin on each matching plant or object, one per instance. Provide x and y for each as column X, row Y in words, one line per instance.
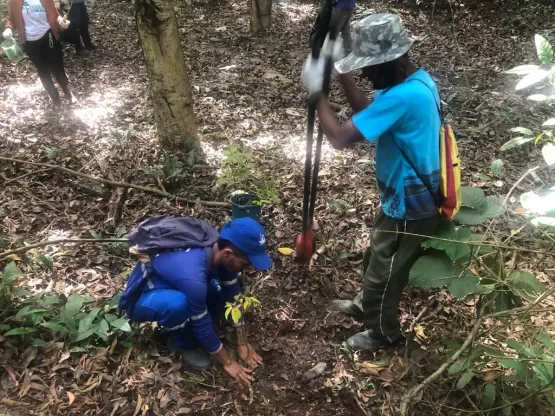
column 261, row 15
column 169, row 84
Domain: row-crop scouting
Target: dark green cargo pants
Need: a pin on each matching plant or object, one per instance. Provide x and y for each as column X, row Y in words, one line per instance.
column 386, row 267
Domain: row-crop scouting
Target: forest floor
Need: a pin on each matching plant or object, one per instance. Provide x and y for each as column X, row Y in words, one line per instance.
column 246, row 91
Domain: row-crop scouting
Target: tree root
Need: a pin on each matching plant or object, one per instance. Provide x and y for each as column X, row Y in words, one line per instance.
column 121, row 184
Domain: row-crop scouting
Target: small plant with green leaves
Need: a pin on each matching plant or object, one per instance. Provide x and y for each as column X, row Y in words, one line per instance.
column 533, row 75
column 123, row 137
column 237, row 173
column 77, row 319
column 239, row 307
column 173, row 171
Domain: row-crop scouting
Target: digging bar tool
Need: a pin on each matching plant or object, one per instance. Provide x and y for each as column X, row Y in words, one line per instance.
column 305, row 243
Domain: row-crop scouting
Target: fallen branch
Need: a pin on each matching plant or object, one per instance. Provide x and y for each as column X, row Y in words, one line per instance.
column 414, row 392
column 120, row 184
column 5, row 254
column 470, row 243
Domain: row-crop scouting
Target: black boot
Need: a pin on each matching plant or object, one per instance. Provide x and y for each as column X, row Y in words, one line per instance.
column 82, row 52
column 348, row 307
column 90, row 47
column 370, row 341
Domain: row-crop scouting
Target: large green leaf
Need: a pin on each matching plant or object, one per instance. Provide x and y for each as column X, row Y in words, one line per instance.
column 544, row 49
column 54, row 326
column 87, row 322
column 548, row 152
column 494, row 207
column 522, row 70
column 525, row 350
column 488, row 397
column 28, row 310
column 459, row 365
column 531, row 79
column 519, row 366
column 19, row 331
column 514, row 142
column 469, row 216
column 433, row 270
column 122, row 324
column 463, row 286
column 545, row 339
column 526, row 285
column 449, row 231
column 10, row 273
column 457, row 251
column 465, row 379
column 473, row 197
column 522, row 130
column 80, row 336
column 74, row 304
column 103, row 329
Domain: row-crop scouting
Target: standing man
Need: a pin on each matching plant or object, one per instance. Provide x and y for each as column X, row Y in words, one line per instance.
column 78, row 31
column 182, row 289
column 340, row 22
column 404, row 122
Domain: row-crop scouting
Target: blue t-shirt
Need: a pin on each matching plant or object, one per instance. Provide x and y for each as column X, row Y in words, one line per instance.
column 405, row 116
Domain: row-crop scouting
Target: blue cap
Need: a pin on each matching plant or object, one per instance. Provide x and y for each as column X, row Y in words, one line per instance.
column 248, row 236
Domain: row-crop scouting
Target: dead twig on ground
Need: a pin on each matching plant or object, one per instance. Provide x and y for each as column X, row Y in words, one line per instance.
column 120, row 184
column 4, row 255
column 36, row 172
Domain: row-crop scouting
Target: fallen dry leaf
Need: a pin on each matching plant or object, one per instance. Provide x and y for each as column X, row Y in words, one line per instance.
column 419, row 329
column 286, row 251
column 199, row 398
column 13, row 403
column 184, row 411
column 139, row 404
column 70, row 398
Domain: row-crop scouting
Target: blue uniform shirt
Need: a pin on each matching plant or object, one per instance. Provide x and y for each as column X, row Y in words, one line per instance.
column 188, row 272
column 405, row 116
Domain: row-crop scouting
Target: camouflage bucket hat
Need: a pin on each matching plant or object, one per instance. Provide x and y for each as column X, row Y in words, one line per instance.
column 377, row 39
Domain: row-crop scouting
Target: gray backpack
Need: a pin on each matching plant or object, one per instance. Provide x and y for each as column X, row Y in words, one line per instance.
column 165, row 232
column 158, row 234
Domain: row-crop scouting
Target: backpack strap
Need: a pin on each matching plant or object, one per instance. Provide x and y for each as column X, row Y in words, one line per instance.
column 438, row 105
column 209, row 255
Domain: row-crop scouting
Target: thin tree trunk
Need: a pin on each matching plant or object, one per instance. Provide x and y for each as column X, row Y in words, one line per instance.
column 261, row 15
column 169, row 84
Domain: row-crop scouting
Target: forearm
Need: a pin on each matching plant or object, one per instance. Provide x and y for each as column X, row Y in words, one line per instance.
column 357, row 99
column 241, row 334
column 222, row 356
column 328, row 122
column 52, row 16
column 339, row 136
column 15, row 18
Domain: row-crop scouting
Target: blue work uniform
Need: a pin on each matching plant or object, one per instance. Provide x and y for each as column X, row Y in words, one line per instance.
column 181, row 294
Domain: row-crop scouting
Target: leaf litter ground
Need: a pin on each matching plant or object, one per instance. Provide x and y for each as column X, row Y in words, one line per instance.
column 247, row 93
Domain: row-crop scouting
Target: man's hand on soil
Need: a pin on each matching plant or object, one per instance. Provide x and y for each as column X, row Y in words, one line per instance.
column 249, row 356
column 238, row 372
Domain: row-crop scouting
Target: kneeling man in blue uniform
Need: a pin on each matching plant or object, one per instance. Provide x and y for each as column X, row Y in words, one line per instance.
column 183, row 288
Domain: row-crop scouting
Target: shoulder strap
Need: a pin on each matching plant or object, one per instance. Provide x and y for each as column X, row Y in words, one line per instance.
column 438, row 105
column 209, row 255
column 437, row 198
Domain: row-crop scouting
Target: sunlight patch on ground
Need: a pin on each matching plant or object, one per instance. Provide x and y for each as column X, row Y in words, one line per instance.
column 296, row 12
column 98, row 106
